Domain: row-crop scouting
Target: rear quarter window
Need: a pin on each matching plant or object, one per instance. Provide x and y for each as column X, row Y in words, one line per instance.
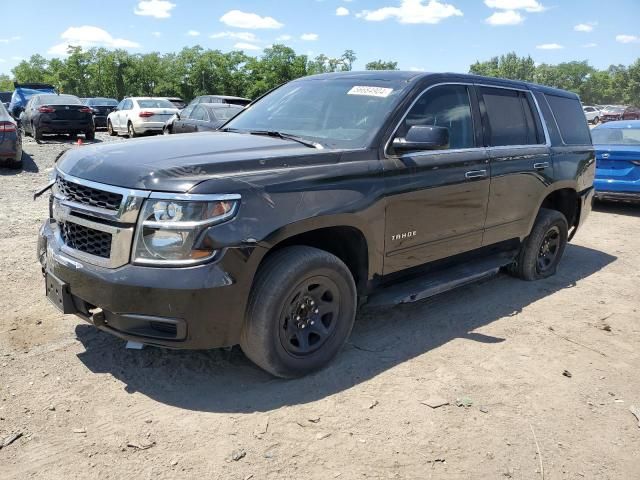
column 570, row 119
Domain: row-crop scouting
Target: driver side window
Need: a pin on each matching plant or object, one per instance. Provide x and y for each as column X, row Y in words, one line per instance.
column 444, row 106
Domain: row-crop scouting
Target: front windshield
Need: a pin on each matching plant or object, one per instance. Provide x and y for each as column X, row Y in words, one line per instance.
column 337, row 113
column 616, row 136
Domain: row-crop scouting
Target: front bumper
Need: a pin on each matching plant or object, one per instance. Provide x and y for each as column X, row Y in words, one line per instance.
column 196, row 307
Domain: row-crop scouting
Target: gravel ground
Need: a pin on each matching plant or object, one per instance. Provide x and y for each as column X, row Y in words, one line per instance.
column 538, row 379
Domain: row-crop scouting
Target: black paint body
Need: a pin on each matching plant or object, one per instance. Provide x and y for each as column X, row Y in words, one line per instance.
column 289, row 190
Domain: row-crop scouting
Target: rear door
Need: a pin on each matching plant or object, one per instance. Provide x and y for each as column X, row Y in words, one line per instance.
column 437, row 199
column 178, row 123
column 521, row 165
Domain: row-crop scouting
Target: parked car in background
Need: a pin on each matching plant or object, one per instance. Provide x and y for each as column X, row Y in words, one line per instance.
column 592, row 114
column 611, row 113
column 138, row 115
column 5, row 99
column 57, row 114
column 177, row 102
column 631, row 113
column 617, row 160
column 202, row 117
column 101, row 108
column 243, row 102
column 23, row 92
column 10, row 140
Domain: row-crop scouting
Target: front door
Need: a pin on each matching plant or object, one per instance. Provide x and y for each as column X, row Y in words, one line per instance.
column 437, row 199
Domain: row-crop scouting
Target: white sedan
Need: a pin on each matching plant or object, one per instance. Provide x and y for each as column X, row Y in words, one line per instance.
column 592, row 114
column 137, row 115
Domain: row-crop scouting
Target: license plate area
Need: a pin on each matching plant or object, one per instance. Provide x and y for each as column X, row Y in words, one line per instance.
column 58, row 294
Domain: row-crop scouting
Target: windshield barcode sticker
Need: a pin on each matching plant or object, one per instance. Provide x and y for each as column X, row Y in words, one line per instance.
column 371, row 91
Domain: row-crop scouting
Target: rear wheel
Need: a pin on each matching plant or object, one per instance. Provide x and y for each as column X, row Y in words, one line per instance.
column 90, row 135
column 301, row 311
column 17, row 162
column 130, row 130
column 542, row 250
column 110, row 129
column 36, row 132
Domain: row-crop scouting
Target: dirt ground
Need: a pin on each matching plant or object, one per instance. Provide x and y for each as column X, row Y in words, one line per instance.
column 86, row 407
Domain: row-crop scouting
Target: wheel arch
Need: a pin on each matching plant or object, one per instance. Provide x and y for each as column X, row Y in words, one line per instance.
column 565, row 200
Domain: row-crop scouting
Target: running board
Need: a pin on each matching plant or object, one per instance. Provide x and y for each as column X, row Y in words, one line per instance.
column 434, row 283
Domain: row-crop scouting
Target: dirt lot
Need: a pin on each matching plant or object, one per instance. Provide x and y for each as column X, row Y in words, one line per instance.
column 88, row 408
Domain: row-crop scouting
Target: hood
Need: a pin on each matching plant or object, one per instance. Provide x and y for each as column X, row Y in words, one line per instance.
column 176, row 163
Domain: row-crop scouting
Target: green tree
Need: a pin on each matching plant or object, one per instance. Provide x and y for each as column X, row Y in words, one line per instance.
column 381, row 65
column 6, row 84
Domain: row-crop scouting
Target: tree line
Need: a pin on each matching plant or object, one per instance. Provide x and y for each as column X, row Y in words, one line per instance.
column 196, row 71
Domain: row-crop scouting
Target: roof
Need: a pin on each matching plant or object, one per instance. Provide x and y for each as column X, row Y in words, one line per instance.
column 620, row 124
column 399, row 75
column 225, row 97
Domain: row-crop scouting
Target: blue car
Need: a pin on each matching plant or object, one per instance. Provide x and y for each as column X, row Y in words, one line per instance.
column 23, row 92
column 617, row 160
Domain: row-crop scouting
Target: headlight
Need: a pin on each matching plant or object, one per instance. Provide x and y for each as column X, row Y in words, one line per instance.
column 170, row 227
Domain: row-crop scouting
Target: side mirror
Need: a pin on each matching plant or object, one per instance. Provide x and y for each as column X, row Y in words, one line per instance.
column 423, row 138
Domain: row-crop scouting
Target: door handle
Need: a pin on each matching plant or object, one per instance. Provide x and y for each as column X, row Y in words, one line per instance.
column 475, row 174
column 541, row 166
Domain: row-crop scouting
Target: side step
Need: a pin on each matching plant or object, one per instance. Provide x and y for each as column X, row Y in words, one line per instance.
column 434, row 283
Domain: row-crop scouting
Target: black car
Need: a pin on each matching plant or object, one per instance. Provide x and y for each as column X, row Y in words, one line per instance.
column 330, row 192
column 51, row 113
column 101, row 107
column 5, row 99
column 10, row 140
column 243, row 102
column 203, row 117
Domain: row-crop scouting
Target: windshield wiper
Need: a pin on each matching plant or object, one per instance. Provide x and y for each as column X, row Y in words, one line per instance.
column 276, row 134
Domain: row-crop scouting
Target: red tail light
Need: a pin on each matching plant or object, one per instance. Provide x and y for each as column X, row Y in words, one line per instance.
column 46, row 109
column 86, row 110
column 7, row 127
column 144, row 114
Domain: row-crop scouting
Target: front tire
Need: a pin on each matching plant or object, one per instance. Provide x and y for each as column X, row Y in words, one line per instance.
column 301, row 311
column 542, row 250
column 596, row 120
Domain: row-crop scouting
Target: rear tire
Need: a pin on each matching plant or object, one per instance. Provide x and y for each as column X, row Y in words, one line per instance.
column 112, row 132
column 542, row 250
column 90, row 135
column 37, row 135
column 130, row 130
column 300, row 313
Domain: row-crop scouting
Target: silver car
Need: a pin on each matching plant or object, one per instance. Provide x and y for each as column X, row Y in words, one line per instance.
column 137, row 115
column 592, row 114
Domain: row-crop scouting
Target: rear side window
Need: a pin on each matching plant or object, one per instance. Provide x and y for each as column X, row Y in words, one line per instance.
column 570, row 119
column 510, row 118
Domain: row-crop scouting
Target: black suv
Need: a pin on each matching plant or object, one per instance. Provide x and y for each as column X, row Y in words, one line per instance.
column 330, row 192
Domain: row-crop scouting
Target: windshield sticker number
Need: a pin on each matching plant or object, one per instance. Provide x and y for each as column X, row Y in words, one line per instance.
column 371, row 91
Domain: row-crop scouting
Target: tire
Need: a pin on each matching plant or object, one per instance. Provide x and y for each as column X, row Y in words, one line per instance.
column 542, row 250
column 292, row 283
column 37, row 135
column 17, row 163
column 90, row 135
column 596, row 120
column 112, row 132
column 132, row 133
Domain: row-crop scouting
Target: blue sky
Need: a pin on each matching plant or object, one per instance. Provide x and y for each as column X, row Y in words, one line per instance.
column 434, row 35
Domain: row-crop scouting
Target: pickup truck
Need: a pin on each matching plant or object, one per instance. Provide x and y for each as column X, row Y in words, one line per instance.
column 330, row 192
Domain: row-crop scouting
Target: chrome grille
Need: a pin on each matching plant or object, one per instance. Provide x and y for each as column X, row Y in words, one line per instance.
column 87, row 240
column 88, row 196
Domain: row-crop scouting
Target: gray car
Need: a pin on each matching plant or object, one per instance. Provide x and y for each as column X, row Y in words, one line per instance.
column 10, row 140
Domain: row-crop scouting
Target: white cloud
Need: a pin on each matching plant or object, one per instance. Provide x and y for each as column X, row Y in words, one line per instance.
column 584, row 27
column 549, row 46
column 342, row 12
column 193, row 33
column 154, row 8
column 2, row 60
column 238, row 19
column 88, row 36
column 245, row 36
column 283, row 38
column 627, row 39
column 156, row 34
column 507, row 17
column 246, row 46
column 528, row 5
column 309, row 37
column 589, row 45
column 10, row 39
column 417, row 69
column 413, row 11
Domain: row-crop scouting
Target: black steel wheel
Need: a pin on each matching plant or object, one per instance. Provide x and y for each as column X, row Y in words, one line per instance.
column 301, row 311
column 542, row 250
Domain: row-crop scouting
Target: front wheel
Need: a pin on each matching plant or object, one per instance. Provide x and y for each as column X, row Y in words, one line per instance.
column 542, row 250
column 301, row 311
column 596, row 120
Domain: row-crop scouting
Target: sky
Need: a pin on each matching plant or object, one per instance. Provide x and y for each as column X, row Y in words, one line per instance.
column 431, row 35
